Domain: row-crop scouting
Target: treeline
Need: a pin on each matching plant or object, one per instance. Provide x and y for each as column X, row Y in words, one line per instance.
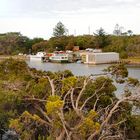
column 126, row 45
column 14, row 42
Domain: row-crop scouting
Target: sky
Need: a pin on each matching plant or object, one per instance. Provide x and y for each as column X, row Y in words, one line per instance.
column 37, row 18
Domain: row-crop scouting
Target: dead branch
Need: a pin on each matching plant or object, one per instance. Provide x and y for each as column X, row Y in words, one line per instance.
column 43, row 113
column 97, row 99
column 34, row 99
column 96, row 91
column 61, row 116
column 52, row 85
column 64, row 99
column 78, row 112
column 81, row 92
column 72, row 100
column 115, row 137
column 111, row 112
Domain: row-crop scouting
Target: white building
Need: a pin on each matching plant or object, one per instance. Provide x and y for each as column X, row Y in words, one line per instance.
column 99, row 58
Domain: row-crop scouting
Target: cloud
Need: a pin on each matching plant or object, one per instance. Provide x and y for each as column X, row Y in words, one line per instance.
column 49, row 7
column 38, row 17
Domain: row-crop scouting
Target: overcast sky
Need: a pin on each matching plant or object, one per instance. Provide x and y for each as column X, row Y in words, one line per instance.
column 37, row 18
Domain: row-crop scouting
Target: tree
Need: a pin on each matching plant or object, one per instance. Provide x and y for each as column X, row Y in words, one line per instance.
column 117, row 30
column 130, row 32
column 70, row 44
column 101, row 39
column 14, row 78
column 59, row 30
column 41, row 46
column 63, row 106
column 58, row 42
column 14, row 42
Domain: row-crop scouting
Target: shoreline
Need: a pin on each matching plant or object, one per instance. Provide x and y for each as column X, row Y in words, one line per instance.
column 3, row 57
column 128, row 62
column 131, row 61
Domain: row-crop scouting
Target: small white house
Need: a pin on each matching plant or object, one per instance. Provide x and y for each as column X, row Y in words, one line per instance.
column 38, row 57
column 99, row 58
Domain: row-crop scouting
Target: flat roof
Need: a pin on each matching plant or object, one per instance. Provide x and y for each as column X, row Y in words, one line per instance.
column 100, row 52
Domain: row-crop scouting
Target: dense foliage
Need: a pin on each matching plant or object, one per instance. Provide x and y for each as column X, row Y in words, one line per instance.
column 41, row 105
column 125, row 44
column 14, row 43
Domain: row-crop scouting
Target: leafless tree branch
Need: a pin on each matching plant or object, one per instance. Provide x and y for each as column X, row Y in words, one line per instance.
column 52, row 85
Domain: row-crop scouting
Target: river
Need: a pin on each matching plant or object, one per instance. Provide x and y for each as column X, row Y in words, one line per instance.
column 80, row 69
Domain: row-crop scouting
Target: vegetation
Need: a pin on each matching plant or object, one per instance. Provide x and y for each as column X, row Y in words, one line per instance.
column 59, row 30
column 133, row 60
column 14, row 43
column 37, row 105
column 126, row 44
column 101, row 39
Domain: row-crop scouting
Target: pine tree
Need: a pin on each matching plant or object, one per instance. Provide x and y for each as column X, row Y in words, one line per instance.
column 59, row 30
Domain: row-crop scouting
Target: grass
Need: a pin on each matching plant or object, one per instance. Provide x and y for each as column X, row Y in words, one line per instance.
column 133, row 60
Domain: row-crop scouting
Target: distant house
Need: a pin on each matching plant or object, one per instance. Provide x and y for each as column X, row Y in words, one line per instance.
column 99, row 58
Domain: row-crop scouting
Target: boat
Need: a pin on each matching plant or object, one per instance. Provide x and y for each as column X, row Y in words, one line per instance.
column 61, row 58
column 79, row 62
column 40, row 56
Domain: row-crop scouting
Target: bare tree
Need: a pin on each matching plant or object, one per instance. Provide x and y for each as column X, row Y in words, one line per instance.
column 118, row 30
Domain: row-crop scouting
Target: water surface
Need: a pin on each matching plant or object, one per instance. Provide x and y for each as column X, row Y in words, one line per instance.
column 80, row 69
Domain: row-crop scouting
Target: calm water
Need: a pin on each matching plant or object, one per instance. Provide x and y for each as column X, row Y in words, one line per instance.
column 79, row 69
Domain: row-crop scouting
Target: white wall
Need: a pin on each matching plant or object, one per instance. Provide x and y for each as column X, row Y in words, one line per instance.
column 98, row 58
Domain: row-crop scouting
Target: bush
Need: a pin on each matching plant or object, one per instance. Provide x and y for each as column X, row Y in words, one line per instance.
column 123, row 55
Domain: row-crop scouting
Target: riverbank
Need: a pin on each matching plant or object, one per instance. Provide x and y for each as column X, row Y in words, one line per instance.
column 129, row 61
column 132, row 61
column 18, row 57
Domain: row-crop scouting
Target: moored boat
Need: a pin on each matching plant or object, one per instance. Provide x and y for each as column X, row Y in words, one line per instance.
column 40, row 56
column 62, row 58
